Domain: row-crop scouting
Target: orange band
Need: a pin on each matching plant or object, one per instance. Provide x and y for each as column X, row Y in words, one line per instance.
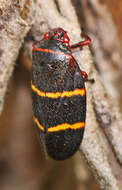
column 61, row 127
column 76, row 92
column 51, row 51
column 38, row 124
column 66, row 126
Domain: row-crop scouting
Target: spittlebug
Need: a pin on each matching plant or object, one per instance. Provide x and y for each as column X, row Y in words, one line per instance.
column 58, row 94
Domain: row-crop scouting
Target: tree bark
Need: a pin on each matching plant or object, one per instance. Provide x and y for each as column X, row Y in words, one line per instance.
column 102, row 144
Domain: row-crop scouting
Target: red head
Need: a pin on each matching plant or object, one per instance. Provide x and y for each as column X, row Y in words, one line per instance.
column 57, row 34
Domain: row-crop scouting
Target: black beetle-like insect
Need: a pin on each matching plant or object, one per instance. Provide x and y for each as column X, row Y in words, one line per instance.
column 58, row 94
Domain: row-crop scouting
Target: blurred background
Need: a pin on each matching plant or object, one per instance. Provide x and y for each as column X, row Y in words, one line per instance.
column 22, row 163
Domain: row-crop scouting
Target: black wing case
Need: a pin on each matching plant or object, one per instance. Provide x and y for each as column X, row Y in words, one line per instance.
column 60, row 115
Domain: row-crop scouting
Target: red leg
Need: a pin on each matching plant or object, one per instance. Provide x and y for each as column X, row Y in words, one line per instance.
column 87, row 41
column 85, row 76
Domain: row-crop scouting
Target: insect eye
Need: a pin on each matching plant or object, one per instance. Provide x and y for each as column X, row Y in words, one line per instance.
column 57, row 35
column 66, row 40
column 46, row 35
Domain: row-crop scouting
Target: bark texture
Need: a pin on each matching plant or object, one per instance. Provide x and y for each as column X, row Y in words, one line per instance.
column 102, row 144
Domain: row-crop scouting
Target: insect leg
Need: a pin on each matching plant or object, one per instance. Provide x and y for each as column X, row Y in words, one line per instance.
column 85, row 76
column 87, row 41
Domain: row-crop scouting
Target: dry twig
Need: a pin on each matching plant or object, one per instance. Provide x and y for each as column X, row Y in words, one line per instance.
column 15, row 21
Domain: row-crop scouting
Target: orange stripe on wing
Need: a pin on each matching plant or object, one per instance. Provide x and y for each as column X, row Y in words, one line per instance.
column 76, row 92
column 66, row 126
column 38, row 124
column 61, row 127
column 40, row 93
column 51, row 51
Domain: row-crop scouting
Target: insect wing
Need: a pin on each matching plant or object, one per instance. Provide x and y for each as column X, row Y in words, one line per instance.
column 67, row 115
